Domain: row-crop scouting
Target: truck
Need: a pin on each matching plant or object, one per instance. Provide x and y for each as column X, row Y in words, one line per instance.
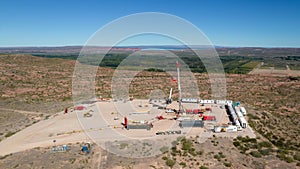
column 230, row 128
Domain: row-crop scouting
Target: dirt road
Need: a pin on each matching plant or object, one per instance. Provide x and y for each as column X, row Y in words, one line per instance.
column 64, row 128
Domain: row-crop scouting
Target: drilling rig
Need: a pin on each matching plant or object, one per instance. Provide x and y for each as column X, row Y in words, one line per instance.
column 181, row 110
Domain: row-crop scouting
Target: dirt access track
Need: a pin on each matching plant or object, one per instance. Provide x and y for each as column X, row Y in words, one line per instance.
column 64, row 128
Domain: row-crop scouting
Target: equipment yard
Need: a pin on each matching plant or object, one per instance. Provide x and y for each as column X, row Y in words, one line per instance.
column 107, row 121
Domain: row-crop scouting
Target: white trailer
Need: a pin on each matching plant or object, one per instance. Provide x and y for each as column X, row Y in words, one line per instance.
column 243, row 122
column 234, row 117
column 206, row 101
column 241, row 118
column 189, row 100
column 218, row 129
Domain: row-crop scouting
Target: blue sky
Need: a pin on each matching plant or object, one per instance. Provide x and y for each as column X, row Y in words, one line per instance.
column 225, row 22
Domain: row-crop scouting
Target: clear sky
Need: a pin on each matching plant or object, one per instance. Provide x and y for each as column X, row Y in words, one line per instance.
column 225, row 22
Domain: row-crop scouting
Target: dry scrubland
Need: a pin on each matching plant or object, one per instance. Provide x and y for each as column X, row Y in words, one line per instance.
column 40, row 87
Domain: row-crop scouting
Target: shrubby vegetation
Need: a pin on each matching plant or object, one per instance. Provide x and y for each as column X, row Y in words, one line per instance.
column 232, row 64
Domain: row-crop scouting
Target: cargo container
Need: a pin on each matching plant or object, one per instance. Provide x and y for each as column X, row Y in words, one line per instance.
column 169, row 111
column 189, row 111
column 189, row 100
column 241, row 119
column 232, row 116
column 206, row 101
column 191, row 123
column 209, row 118
column 139, row 126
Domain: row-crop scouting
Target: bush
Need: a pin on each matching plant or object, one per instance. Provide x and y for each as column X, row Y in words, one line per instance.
column 252, row 116
column 229, row 164
column 282, row 151
column 265, row 144
column 256, row 154
column 9, row 134
column 203, row 167
column 244, row 148
column 164, row 150
column 192, row 152
column 265, row 151
column 221, row 155
column 297, row 156
column 170, row 163
column 236, row 143
column 200, row 153
column 217, row 157
column 282, row 156
column 279, row 143
column 186, row 145
column 288, row 159
column 183, row 164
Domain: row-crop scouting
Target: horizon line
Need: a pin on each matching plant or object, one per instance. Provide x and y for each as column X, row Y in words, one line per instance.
column 160, row 45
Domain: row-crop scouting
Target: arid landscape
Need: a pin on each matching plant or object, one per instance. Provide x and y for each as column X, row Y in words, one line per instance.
column 34, row 89
column 149, row 84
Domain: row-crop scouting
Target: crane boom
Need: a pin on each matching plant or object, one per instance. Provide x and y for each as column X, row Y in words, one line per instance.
column 170, row 95
column 169, row 100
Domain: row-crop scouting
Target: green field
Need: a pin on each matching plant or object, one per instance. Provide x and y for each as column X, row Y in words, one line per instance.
column 231, row 64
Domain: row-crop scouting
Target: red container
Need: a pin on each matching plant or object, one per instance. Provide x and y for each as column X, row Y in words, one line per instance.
column 209, row 118
column 189, row 111
column 79, row 108
column 195, row 111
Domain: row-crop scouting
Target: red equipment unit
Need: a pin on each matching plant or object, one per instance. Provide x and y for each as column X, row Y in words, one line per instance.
column 189, row 111
column 79, row 108
column 160, row 117
column 209, row 118
column 125, row 122
column 196, row 111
